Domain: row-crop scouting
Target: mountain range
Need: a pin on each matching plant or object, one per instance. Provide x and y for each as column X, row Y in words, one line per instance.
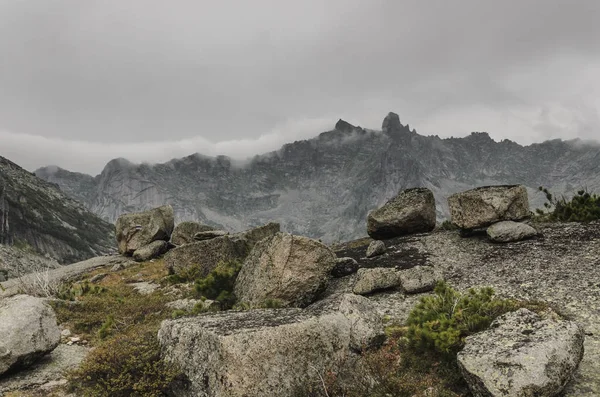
column 324, row 187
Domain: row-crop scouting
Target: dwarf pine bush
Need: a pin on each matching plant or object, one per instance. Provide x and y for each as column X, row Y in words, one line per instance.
column 583, row 207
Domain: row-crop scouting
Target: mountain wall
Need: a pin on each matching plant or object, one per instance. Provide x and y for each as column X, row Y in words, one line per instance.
column 38, row 217
column 325, row 187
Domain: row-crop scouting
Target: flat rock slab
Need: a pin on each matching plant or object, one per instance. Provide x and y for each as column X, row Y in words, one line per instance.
column 377, row 279
column 522, row 355
column 271, row 352
column 48, row 371
column 509, row 231
column 419, row 279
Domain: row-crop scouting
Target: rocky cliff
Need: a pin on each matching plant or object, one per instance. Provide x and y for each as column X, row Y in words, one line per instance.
column 37, row 216
column 325, row 187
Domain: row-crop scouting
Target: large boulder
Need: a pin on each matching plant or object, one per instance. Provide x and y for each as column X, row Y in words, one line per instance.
column 197, row 259
column 375, row 279
column 419, row 279
column 509, row 231
column 411, row 211
column 483, row 206
column 344, row 267
column 522, row 355
column 28, row 330
column 272, row 352
column 184, row 232
column 136, row 230
column 291, row 269
column 150, row 251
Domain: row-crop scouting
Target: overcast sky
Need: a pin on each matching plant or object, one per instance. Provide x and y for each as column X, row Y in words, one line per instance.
column 85, row 81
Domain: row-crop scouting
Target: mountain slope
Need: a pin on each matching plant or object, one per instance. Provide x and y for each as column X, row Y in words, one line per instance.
column 38, row 214
column 324, row 187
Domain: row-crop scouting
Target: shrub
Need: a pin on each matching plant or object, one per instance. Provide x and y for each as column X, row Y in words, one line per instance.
column 127, row 365
column 441, row 322
column 583, row 207
column 218, row 284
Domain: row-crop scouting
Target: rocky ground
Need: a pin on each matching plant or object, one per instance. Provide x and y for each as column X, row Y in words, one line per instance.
column 561, row 267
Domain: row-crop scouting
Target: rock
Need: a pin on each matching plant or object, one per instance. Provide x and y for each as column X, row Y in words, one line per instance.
column 98, row 277
column 144, row 287
column 419, row 279
column 291, row 269
column 522, row 355
column 139, row 229
column 201, row 257
column 184, row 232
column 391, row 122
column 376, row 279
column 151, row 251
column 344, row 126
column 508, row 231
column 29, row 331
column 183, row 304
column 483, row 206
column 65, row 333
column 376, row 247
column 270, row 352
column 411, row 211
column 207, row 235
column 344, row 267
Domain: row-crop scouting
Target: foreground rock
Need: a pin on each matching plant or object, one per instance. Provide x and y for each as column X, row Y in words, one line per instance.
column 267, row 352
column 209, row 234
column 139, row 229
column 419, row 279
column 411, row 211
column 377, row 279
column 184, row 232
column 28, row 330
column 509, row 231
column 376, row 247
column 522, row 355
column 291, row 269
column 483, row 206
column 344, row 267
column 197, row 259
column 150, row 251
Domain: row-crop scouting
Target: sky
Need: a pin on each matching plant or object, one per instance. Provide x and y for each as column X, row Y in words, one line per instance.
column 82, row 82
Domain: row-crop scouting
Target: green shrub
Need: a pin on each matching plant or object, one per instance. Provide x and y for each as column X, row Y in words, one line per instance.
column 583, row 207
column 218, row 284
column 441, row 322
column 127, row 365
column 73, row 291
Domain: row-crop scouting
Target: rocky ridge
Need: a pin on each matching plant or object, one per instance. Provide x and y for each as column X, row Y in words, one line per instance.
column 325, row 187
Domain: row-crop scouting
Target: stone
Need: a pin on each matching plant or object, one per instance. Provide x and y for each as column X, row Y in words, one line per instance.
column 151, row 251
column 376, row 247
column 184, row 232
column 98, row 277
column 269, row 352
column 136, row 230
column 376, row 279
column 145, row 288
column 197, row 259
column 344, row 126
column 183, row 304
column 483, row 206
column 344, row 267
column 411, row 211
column 509, row 231
column 65, row 333
column 291, row 269
column 419, row 279
column 29, row 331
column 522, row 354
column 209, row 234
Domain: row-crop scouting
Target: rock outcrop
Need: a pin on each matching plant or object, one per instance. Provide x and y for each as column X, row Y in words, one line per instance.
column 209, row 234
column 411, row 211
column 522, row 355
column 267, row 352
column 136, row 230
column 484, row 206
column 201, row 257
column 293, row 270
column 28, row 329
column 184, row 232
column 150, row 251
column 509, row 231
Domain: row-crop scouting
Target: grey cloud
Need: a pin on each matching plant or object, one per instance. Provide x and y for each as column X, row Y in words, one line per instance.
column 121, row 72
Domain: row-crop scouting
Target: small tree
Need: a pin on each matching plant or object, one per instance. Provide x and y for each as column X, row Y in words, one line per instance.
column 583, row 207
